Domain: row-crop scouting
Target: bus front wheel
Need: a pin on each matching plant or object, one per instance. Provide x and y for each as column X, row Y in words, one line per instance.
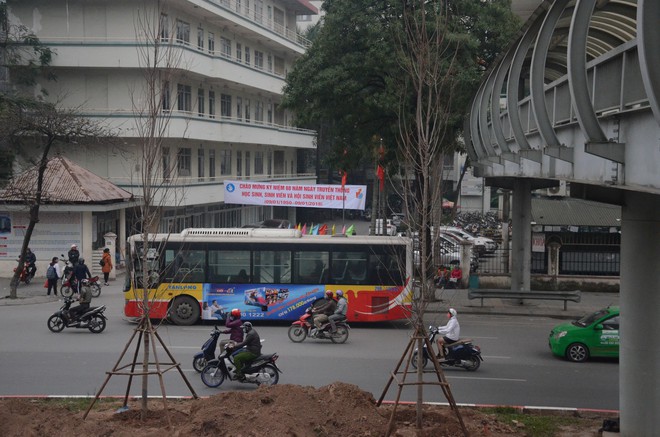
column 184, row 311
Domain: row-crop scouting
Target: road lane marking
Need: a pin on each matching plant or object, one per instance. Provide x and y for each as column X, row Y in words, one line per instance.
column 486, row 379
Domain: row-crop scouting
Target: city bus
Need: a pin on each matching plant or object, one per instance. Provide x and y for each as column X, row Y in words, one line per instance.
column 268, row 274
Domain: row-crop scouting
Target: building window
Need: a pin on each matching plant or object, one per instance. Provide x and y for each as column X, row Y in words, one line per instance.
column 212, row 104
column 182, row 32
column 164, row 27
column 239, row 108
column 225, row 162
column 247, row 164
column 184, row 97
column 269, row 59
column 259, row 111
column 225, row 105
column 211, row 42
column 225, row 47
column 200, row 38
column 258, row 11
column 165, row 152
column 258, row 162
column 259, row 59
column 238, row 6
column 270, row 113
column 239, row 163
column 278, row 66
column 184, row 161
column 247, row 110
column 200, row 164
column 247, row 55
column 212, row 163
column 166, row 97
column 200, row 102
column 239, row 52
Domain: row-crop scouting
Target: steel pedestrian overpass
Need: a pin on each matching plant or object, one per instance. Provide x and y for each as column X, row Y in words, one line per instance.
column 576, row 98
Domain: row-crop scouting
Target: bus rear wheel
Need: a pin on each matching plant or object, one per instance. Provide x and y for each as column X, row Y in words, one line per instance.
column 184, row 311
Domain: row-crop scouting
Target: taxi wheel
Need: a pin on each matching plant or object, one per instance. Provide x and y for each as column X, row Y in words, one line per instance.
column 577, row 352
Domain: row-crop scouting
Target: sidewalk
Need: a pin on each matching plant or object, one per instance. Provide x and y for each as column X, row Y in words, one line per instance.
column 458, row 299
column 34, row 293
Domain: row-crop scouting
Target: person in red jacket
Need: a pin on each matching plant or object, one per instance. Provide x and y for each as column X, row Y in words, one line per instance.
column 455, row 277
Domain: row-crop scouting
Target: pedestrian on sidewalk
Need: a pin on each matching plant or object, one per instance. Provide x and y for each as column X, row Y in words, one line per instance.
column 53, row 273
column 106, row 265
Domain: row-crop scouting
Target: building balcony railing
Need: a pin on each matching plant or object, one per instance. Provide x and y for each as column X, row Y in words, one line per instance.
column 107, row 59
column 191, row 181
column 257, row 17
column 210, row 127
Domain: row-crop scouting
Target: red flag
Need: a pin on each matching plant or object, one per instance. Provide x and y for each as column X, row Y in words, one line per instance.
column 381, row 176
column 343, row 178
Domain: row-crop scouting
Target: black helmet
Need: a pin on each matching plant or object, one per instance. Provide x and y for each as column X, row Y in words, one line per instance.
column 247, row 327
column 81, row 260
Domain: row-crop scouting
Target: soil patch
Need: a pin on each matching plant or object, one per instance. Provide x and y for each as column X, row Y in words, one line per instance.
column 288, row 410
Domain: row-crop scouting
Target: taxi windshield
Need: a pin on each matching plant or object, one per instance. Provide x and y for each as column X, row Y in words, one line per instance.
column 590, row 318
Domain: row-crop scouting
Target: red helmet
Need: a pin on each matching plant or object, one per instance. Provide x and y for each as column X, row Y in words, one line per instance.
column 329, row 294
column 236, row 313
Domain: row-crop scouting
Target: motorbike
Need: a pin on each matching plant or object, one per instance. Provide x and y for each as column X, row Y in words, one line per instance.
column 462, row 354
column 92, row 319
column 26, row 276
column 304, row 327
column 260, row 371
column 67, row 273
column 201, row 359
column 69, row 287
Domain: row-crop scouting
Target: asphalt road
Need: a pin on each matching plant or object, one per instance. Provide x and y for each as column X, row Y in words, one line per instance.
column 518, row 367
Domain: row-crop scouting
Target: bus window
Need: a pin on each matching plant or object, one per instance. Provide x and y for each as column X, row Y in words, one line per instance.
column 349, row 268
column 229, row 266
column 272, row 267
column 386, row 269
column 310, row 267
column 185, row 265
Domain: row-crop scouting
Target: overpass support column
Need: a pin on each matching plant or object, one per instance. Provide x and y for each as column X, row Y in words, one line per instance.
column 639, row 391
column 521, row 240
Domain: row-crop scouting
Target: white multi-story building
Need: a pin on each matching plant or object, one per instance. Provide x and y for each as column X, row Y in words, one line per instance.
column 221, row 94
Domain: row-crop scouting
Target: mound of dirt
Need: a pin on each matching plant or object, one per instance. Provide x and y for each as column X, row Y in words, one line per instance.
column 284, row 410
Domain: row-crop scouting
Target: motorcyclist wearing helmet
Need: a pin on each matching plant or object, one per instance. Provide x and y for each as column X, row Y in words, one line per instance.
column 252, row 350
column 234, row 330
column 74, row 255
column 451, row 332
column 80, row 272
column 324, row 310
column 340, row 312
column 85, row 298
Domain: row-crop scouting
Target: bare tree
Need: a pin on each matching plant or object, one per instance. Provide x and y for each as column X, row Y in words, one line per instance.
column 428, row 54
column 44, row 125
column 159, row 58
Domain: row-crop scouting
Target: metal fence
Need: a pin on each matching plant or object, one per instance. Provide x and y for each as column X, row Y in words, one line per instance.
column 596, row 260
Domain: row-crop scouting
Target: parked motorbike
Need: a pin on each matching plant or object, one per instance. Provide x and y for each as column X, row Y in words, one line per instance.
column 304, row 327
column 261, row 371
column 92, row 319
column 26, row 276
column 461, row 354
column 201, row 359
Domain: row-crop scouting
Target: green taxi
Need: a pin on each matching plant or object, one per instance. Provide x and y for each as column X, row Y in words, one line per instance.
column 594, row 335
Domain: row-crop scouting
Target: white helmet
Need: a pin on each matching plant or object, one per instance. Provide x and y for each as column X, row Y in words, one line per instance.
column 452, row 312
column 340, row 293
